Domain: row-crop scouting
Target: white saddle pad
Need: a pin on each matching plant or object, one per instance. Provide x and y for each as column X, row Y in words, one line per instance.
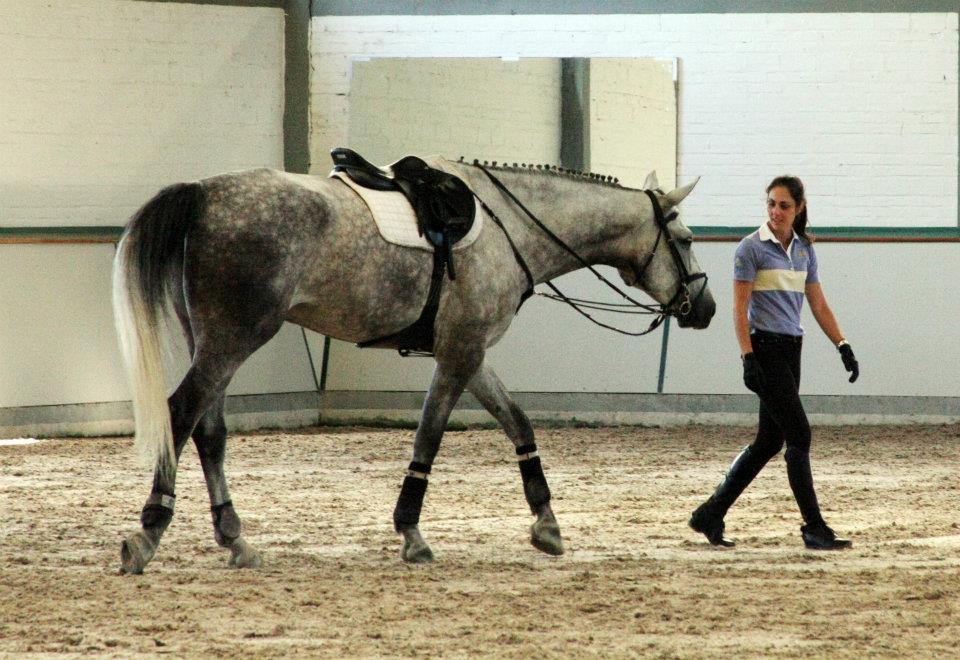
column 396, row 219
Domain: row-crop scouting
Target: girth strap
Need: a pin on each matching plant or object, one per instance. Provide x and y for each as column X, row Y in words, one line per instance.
column 417, row 338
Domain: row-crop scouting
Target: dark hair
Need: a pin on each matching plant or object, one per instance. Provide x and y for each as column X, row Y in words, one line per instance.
column 795, row 187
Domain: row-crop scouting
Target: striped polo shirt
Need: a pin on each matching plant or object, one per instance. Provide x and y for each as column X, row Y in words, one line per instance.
column 779, row 279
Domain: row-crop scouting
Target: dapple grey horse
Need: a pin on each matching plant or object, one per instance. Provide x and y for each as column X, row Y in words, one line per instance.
column 236, row 255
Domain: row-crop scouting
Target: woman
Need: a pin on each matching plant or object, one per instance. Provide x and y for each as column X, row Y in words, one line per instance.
column 774, row 268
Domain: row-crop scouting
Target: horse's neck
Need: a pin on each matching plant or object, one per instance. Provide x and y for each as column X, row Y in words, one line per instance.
column 600, row 223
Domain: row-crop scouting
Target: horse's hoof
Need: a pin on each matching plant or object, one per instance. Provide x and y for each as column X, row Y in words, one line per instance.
column 135, row 553
column 416, row 553
column 545, row 537
column 242, row 555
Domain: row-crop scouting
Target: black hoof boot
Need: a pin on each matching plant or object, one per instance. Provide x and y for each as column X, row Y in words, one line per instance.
column 821, row 537
column 707, row 522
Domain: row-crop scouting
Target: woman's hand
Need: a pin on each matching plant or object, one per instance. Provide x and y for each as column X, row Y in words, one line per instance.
column 849, row 361
column 752, row 373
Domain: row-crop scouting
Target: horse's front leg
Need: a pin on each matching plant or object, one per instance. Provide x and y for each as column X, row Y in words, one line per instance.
column 449, row 379
column 544, row 532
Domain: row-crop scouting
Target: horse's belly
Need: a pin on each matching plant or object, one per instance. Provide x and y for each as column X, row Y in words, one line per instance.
column 364, row 305
column 348, row 324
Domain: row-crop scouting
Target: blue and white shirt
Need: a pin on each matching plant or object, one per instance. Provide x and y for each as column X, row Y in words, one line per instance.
column 779, row 279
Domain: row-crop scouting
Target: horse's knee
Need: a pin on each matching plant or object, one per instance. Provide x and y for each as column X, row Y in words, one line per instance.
column 524, row 427
column 212, row 424
column 210, row 432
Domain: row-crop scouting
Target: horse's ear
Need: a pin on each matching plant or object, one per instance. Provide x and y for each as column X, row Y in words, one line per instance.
column 651, row 183
column 676, row 196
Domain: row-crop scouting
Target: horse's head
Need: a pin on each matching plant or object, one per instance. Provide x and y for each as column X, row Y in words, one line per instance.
column 668, row 271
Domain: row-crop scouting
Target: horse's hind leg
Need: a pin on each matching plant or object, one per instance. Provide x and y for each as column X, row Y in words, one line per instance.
column 199, row 394
column 545, row 532
column 210, row 438
column 138, row 549
column 196, row 393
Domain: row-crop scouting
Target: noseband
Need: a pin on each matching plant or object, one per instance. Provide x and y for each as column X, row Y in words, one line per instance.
column 680, row 305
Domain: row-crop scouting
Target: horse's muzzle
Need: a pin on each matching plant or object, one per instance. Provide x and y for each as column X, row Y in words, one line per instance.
column 702, row 309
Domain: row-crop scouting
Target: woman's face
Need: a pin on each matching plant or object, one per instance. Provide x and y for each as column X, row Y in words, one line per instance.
column 781, row 209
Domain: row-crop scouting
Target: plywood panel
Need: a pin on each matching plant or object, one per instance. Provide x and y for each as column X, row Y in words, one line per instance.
column 473, row 107
column 633, row 120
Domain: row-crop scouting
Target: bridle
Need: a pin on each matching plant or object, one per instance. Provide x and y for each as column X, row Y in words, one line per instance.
column 680, row 302
column 679, row 305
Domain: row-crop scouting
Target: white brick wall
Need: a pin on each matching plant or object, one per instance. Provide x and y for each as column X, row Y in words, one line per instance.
column 862, row 106
column 104, row 101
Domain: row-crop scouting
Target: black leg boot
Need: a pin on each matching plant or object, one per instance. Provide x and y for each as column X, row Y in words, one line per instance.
column 816, row 534
column 708, row 517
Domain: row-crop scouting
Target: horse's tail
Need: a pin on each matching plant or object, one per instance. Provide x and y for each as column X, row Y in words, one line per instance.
column 149, row 253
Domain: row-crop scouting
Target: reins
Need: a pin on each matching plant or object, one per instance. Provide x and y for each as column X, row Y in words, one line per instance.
column 632, row 306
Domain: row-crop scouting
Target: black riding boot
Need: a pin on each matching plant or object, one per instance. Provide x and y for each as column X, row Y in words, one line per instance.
column 708, row 517
column 816, row 534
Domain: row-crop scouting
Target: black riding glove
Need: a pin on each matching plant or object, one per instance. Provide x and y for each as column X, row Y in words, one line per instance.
column 752, row 373
column 849, row 361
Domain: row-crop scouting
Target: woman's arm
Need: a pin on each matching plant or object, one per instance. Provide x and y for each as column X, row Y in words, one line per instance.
column 741, row 299
column 822, row 313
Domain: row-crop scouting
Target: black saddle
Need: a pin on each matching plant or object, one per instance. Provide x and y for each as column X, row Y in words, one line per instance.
column 442, row 202
column 445, row 211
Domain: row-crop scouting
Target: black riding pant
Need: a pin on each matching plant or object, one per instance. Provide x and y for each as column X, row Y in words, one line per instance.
column 782, row 421
column 782, row 418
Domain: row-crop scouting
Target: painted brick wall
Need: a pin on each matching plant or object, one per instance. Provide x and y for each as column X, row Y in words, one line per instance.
column 863, row 106
column 102, row 103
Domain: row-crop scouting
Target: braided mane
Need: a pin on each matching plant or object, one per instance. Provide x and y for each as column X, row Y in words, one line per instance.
column 549, row 170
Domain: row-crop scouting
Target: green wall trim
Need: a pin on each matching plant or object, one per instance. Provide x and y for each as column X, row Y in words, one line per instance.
column 92, row 234
column 844, row 234
column 101, row 234
column 276, row 4
column 521, row 7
